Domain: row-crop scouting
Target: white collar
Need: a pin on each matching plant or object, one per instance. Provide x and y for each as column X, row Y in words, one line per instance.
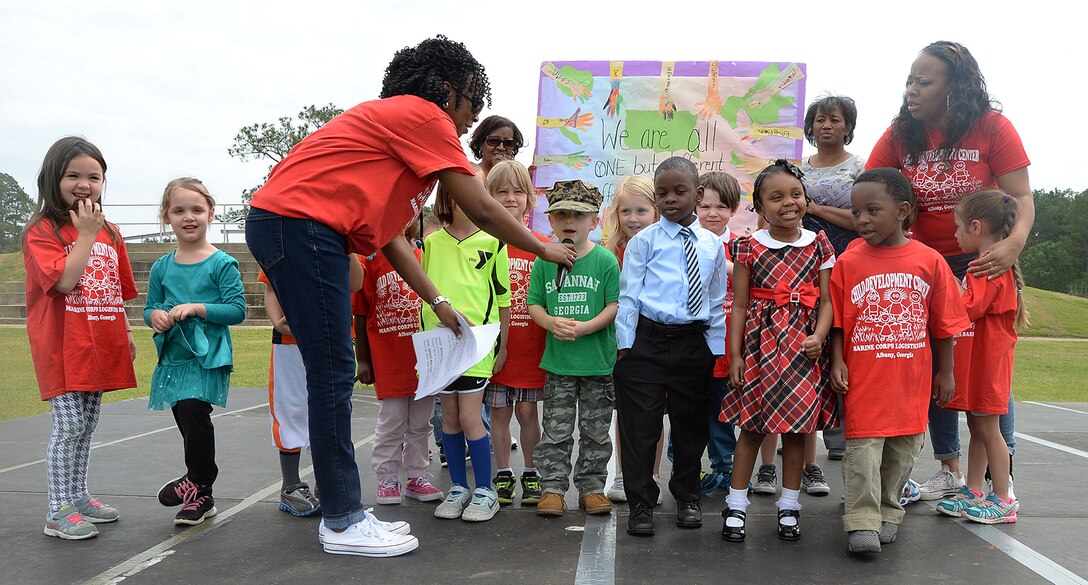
column 726, row 235
column 764, row 237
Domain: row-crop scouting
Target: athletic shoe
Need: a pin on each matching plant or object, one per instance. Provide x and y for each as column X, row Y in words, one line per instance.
column 442, row 456
column 388, row 491
column 504, row 487
column 454, row 505
column 395, row 527
column 859, row 541
column 813, row 482
column 94, row 511
column 910, row 493
column 1012, row 496
column 173, row 493
column 955, row 505
column 888, row 532
column 530, row 488
column 483, row 507
column 943, row 484
column 298, row 500
column 195, row 510
column 992, row 510
column 367, row 538
column 420, row 488
column 660, row 490
column 616, row 493
column 766, row 479
column 69, row 524
column 710, row 481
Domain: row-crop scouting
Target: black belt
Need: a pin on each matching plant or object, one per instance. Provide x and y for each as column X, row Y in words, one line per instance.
column 678, row 330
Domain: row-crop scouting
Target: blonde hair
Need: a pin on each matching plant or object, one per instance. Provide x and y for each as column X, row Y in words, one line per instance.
column 511, row 172
column 996, row 210
column 631, row 186
column 443, row 204
column 183, row 183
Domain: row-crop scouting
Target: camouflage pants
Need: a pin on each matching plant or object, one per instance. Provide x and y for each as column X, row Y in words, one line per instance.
column 586, row 401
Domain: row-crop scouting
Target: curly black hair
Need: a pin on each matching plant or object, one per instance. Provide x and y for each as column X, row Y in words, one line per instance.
column 967, row 103
column 897, row 186
column 827, row 105
column 421, row 70
column 486, row 127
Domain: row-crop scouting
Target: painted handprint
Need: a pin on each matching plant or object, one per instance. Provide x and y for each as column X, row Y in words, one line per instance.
column 615, row 75
column 579, row 91
column 712, row 105
column 574, row 160
column 665, row 106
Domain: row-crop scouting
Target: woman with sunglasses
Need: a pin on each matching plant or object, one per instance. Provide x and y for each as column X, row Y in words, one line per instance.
column 353, row 186
column 496, row 139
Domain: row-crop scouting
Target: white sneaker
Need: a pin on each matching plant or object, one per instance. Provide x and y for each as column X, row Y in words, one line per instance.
column 454, row 505
column 366, row 538
column 483, row 507
column 1012, row 496
column 660, row 490
column 396, row 527
column 615, row 492
column 944, row 484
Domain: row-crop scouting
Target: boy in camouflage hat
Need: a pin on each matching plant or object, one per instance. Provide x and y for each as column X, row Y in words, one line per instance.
column 577, row 311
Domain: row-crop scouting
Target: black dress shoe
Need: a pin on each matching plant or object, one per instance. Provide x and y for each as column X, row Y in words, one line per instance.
column 733, row 533
column 689, row 515
column 641, row 522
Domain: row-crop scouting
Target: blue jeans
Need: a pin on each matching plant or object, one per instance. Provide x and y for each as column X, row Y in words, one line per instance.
column 306, row 263
column 723, row 437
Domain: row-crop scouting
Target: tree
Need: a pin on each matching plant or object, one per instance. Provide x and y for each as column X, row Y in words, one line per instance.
column 16, row 208
column 1056, row 255
column 272, row 142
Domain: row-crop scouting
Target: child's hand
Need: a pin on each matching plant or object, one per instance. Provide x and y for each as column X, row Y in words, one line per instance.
column 161, row 321
column 283, row 327
column 500, row 361
column 364, row 372
column 87, row 218
column 564, row 329
column 812, row 346
column 620, row 354
column 183, row 312
column 132, row 345
column 944, row 387
column 840, row 377
column 736, row 373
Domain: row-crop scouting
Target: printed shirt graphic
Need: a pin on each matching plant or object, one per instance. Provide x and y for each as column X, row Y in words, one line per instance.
column 984, row 353
column 78, row 341
column 589, row 286
column 992, row 148
column 391, row 308
column 887, row 301
column 526, row 346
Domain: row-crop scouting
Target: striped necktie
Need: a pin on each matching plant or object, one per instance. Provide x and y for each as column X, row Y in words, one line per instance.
column 695, row 283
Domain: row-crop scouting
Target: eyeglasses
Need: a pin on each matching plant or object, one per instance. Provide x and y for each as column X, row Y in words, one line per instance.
column 495, row 141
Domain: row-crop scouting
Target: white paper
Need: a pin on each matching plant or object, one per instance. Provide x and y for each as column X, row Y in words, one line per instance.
column 441, row 358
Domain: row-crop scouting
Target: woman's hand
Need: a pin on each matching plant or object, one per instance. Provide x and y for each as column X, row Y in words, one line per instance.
column 448, row 316
column 995, row 260
column 563, row 254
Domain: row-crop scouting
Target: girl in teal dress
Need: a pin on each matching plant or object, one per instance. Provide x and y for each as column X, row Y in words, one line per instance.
column 193, row 295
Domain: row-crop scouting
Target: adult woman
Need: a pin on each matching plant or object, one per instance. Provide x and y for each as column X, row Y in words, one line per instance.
column 353, row 186
column 495, row 139
column 950, row 139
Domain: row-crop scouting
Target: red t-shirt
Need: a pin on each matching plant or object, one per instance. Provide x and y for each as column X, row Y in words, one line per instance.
column 526, row 345
column 984, row 353
column 888, row 301
column 991, row 149
column 367, row 172
column 721, row 367
column 391, row 309
column 78, row 341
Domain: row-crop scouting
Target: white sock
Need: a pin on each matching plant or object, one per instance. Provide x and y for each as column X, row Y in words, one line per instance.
column 736, row 500
column 508, row 469
column 528, row 470
column 788, row 501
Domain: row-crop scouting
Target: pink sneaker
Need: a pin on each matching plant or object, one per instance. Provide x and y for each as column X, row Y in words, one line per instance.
column 420, row 488
column 388, row 491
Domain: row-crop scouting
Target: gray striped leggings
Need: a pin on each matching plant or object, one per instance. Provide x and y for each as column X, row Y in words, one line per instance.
column 75, row 416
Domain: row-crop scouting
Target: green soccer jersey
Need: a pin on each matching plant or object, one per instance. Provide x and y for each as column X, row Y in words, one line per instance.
column 474, row 274
column 590, row 285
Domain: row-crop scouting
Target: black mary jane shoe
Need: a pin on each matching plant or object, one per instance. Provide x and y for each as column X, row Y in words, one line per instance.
column 789, row 532
column 733, row 533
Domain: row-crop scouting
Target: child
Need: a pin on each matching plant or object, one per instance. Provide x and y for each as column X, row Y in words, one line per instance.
column 893, row 299
column 474, row 267
column 519, row 385
column 193, row 295
column 721, row 198
column 287, row 402
column 984, row 364
column 77, row 279
column 387, row 314
column 670, row 330
column 780, row 281
column 578, row 311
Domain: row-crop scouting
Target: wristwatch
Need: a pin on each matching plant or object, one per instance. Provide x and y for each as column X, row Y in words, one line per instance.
column 437, row 300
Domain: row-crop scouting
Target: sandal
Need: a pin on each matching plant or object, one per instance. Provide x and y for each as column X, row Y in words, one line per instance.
column 733, row 533
column 789, row 532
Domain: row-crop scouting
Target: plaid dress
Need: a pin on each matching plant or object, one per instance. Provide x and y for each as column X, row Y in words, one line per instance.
column 784, row 391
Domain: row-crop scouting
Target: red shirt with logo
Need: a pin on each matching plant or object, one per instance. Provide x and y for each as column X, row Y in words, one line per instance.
column 527, row 339
column 984, row 352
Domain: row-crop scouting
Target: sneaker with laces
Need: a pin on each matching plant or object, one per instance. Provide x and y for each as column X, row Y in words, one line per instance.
column 660, row 490
column 195, row 510
column 813, row 482
column 910, row 493
column 454, row 505
column 94, row 511
column 298, row 500
column 483, row 507
column 504, row 487
column 388, row 491
column 710, row 481
column 616, row 493
column 859, row 541
column 943, row 484
column 530, row 488
column 69, row 524
column 173, row 493
column 955, row 505
column 366, row 538
column 992, row 510
column 888, row 532
column 420, row 488
column 396, row 526
column 766, row 479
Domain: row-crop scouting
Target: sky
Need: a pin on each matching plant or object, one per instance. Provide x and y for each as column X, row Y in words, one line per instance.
column 162, row 88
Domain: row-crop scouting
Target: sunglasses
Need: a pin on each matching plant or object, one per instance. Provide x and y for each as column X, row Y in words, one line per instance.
column 495, row 141
column 477, row 102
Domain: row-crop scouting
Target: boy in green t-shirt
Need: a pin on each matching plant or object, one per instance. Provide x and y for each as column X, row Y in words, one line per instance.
column 577, row 311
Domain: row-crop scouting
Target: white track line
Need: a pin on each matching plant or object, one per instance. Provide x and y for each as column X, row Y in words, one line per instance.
column 597, row 557
column 1054, row 406
column 1025, row 555
column 1052, row 445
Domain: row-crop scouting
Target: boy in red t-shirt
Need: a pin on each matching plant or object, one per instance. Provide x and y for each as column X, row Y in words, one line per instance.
column 895, row 302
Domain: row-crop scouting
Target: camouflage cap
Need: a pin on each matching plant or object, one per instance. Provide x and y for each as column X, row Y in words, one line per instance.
column 574, row 195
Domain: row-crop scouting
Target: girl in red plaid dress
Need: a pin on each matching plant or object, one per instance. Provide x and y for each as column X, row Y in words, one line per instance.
column 778, row 366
